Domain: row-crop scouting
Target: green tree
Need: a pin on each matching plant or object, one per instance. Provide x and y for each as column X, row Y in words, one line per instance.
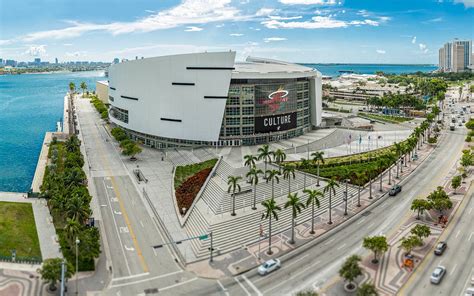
column 350, row 270
column 421, row 231
column 288, row 173
column 306, row 293
column 367, row 289
column 265, row 154
column 331, row 188
column 318, row 158
column 420, row 205
column 77, row 208
column 441, row 204
column 296, row 206
column 304, row 164
column 272, row 176
column 234, row 186
column 131, row 150
column 72, row 87
column 271, row 212
column 250, row 160
column 83, row 87
column 89, row 248
column 377, row 244
column 119, row 134
column 50, row 271
column 71, row 229
column 313, row 200
column 253, row 177
column 410, row 242
column 456, row 182
column 279, row 157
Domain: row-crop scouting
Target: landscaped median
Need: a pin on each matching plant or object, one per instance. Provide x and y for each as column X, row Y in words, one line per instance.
column 188, row 181
column 384, row 118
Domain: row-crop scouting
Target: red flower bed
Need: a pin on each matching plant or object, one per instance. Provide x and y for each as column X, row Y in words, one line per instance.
column 186, row 193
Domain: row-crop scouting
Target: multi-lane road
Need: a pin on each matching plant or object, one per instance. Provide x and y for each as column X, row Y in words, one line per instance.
column 130, row 229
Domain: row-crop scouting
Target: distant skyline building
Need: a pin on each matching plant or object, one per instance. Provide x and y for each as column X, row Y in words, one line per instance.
column 456, row 56
column 116, row 61
column 37, row 61
column 56, row 61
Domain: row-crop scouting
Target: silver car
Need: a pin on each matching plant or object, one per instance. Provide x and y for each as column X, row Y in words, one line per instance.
column 269, row 266
column 438, row 274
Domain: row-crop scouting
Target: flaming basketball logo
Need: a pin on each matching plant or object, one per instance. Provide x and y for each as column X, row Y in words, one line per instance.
column 276, row 98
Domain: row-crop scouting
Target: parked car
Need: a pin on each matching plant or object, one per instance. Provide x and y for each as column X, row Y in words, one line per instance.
column 269, row 266
column 438, row 274
column 469, row 292
column 440, row 248
column 395, row 190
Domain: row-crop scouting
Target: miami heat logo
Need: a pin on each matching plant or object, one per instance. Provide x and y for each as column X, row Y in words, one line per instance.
column 276, row 98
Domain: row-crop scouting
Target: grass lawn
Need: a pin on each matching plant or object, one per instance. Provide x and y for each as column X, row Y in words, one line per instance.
column 18, row 230
column 386, row 118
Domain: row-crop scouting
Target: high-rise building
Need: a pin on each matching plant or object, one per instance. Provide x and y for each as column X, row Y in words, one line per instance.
column 56, row 61
column 116, row 61
column 455, row 56
column 37, row 61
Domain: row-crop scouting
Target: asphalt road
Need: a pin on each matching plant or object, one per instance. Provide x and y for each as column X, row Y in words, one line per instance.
column 317, row 263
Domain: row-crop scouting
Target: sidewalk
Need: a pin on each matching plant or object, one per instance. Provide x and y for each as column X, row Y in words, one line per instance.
column 252, row 255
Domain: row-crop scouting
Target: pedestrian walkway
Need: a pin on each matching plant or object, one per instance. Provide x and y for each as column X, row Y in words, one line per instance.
column 44, row 223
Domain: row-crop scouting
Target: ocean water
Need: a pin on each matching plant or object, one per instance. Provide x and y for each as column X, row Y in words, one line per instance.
column 30, row 105
column 333, row 69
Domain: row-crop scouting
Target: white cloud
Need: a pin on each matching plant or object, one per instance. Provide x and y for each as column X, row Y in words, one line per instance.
column 36, row 50
column 310, row 2
column 380, row 51
column 265, row 11
column 5, row 41
column 76, row 54
column 189, row 12
column 273, row 39
column 423, row 47
column 317, row 22
column 467, row 3
column 413, row 40
column 363, row 13
column 236, row 34
column 220, row 25
column 284, row 18
column 435, row 20
column 193, row 29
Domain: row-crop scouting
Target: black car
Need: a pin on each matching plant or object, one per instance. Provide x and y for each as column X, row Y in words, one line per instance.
column 440, row 248
column 395, row 190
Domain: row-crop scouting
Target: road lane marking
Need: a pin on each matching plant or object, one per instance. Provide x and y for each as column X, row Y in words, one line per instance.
column 470, row 210
column 116, row 230
column 457, row 234
column 130, row 277
column 117, row 212
column 178, row 284
column 146, row 280
column 223, row 288
column 295, row 275
column 252, row 285
column 342, row 246
column 242, row 286
column 454, row 268
column 470, row 236
column 296, row 261
column 361, row 221
column 141, row 223
column 329, row 242
column 129, row 249
column 371, row 224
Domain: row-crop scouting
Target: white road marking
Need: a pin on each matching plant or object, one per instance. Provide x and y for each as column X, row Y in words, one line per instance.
column 242, row 286
column 103, row 205
column 470, row 236
column 178, row 284
column 296, row 261
column 470, row 210
column 130, row 277
column 361, row 221
column 252, row 285
column 342, row 246
column 141, row 223
column 129, row 249
column 222, row 287
column 154, row 251
column 454, row 268
column 457, row 234
column 123, row 229
column 147, row 279
column 329, row 242
column 371, row 224
column 293, row 276
column 116, row 230
column 117, row 213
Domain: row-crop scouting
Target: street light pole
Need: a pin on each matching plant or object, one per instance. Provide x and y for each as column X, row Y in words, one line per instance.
column 345, row 196
column 77, row 266
column 210, row 258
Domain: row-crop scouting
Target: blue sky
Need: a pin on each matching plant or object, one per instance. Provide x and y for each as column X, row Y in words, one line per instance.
column 320, row 31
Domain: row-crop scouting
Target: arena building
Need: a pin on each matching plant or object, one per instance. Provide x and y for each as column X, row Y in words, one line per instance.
column 208, row 99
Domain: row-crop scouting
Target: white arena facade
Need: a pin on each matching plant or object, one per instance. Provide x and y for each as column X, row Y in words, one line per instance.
column 208, row 99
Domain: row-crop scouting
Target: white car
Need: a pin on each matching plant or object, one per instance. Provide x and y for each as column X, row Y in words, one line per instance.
column 269, row 266
column 438, row 274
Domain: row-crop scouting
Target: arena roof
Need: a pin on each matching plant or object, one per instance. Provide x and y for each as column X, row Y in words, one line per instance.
column 254, row 67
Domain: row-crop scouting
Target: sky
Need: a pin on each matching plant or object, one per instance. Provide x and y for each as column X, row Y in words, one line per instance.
column 311, row 31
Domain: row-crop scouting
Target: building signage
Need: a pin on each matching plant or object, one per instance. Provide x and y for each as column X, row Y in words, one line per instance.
column 275, row 123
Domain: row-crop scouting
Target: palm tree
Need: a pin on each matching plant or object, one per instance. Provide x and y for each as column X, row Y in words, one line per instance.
column 72, row 87
column 271, row 212
column 318, row 158
column 296, row 206
column 398, row 152
column 233, row 182
column 83, row 87
column 303, row 165
column 71, row 228
column 331, row 188
column 279, row 156
column 253, row 177
column 250, row 160
column 288, row 173
column 313, row 200
column 272, row 175
column 359, row 176
column 265, row 154
column 77, row 208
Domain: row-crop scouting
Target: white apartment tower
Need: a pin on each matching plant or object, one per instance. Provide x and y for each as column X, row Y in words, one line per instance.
column 455, row 56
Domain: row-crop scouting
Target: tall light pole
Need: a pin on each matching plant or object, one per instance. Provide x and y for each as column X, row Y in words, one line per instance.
column 346, row 197
column 77, row 266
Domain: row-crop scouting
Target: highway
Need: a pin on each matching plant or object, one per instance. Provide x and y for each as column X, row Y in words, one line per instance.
column 317, row 263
